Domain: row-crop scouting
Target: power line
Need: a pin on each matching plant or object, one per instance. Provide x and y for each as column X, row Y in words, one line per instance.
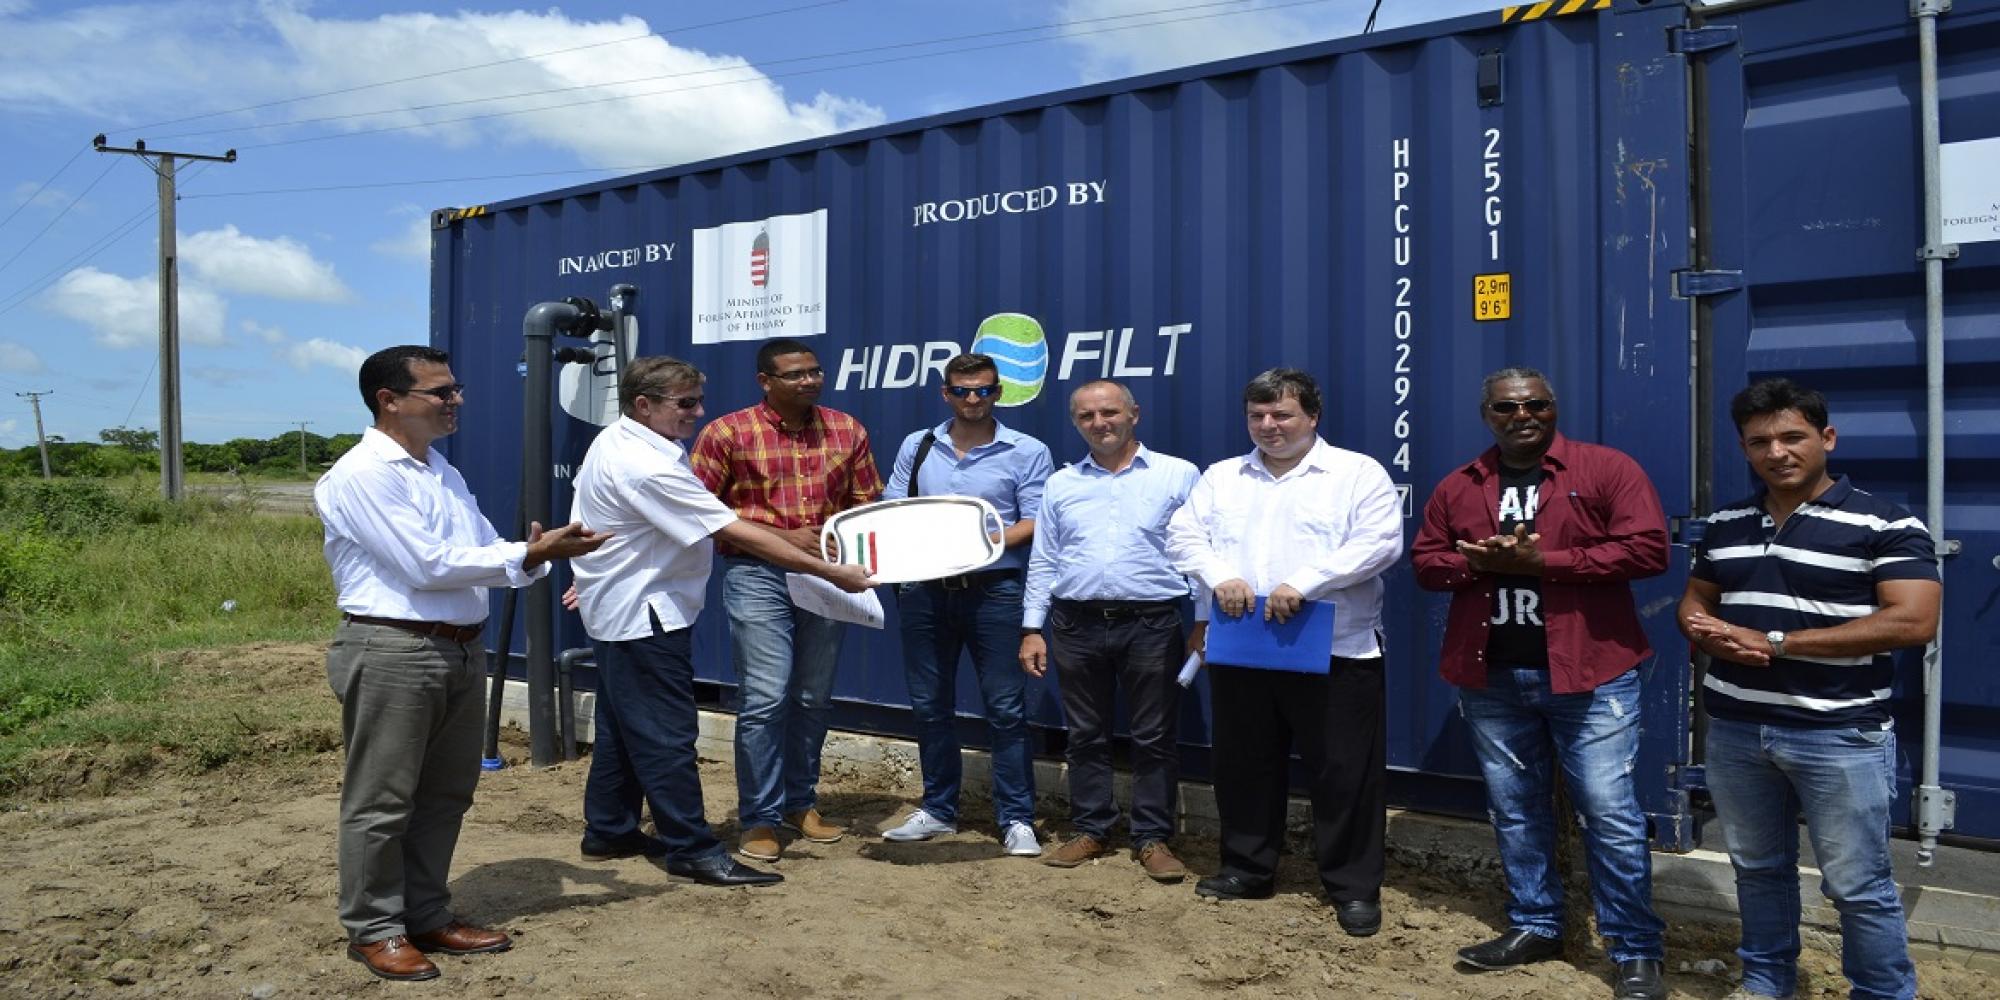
column 465, row 69
column 757, row 68
column 44, row 187
column 59, row 216
column 87, row 254
column 771, row 76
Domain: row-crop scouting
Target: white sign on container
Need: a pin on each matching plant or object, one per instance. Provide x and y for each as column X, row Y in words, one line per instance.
column 1970, row 189
column 758, row 280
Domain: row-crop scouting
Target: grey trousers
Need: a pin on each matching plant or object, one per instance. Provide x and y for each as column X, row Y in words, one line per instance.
column 410, row 714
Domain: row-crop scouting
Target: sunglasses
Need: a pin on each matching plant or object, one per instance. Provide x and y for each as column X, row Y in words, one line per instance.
column 1508, row 407
column 681, row 402
column 966, row 391
column 441, row 393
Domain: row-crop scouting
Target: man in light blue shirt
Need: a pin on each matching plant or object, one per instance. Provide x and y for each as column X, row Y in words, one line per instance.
column 1101, row 579
column 972, row 454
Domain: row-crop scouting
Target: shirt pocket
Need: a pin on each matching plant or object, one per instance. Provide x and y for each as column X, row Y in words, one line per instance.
column 1587, row 520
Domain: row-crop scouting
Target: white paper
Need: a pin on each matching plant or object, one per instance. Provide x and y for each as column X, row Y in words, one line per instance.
column 814, row 594
column 1189, row 669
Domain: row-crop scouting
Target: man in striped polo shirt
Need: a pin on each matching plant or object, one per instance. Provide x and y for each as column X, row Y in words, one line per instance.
column 1798, row 594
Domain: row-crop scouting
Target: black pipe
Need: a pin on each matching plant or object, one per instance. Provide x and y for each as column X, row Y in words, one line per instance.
column 565, row 670
column 539, row 329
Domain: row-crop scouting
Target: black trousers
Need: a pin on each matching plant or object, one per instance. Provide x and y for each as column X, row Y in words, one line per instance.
column 1335, row 724
column 1094, row 655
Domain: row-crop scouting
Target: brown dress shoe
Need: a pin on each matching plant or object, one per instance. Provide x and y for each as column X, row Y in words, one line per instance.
column 1160, row 863
column 1075, row 851
column 393, row 958
column 814, row 827
column 759, row 843
column 461, row 938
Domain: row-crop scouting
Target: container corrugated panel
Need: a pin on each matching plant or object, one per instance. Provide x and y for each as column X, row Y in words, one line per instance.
column 1815, row 150
column 1351, row 208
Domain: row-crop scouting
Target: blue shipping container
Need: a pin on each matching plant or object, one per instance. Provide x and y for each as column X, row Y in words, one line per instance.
column 1397, row 214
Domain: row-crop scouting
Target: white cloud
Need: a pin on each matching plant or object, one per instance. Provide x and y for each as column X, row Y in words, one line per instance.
column 281, row 268
column 7, row 428
column 125, row 312
column 413, row 240
column 267, row 334
column 44, row 197
column 324, row 353
column 16, row 358
column 57, row 63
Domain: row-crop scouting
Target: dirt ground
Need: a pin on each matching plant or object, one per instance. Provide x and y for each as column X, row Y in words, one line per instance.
column 222, row 885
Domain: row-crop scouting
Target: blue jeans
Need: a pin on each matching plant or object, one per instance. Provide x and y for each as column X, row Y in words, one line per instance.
column 785, row 661
column 643, row 747
column 1844, row 780
column 1521, row 731
column 938, row 625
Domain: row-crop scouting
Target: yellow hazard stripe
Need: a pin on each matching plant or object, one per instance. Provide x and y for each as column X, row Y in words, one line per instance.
column 467, row 213
column 1550, row 8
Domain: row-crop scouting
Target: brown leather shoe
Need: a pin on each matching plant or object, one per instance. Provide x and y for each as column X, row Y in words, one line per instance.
column 814, row 827
column 461, row 938
column 393, row 958
column 759, row 843
column 1075, row 851
column 1160, row 863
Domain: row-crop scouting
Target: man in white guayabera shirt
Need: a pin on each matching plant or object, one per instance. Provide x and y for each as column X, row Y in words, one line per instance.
column 412, row 557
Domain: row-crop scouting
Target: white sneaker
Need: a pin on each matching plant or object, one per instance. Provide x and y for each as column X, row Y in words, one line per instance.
column 923, row 826
column 1020, row 840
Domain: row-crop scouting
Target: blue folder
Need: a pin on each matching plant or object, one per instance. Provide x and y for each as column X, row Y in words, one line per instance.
column 1301, row 645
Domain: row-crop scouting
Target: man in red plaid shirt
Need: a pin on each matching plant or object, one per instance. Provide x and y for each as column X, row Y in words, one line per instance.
column 790, row 464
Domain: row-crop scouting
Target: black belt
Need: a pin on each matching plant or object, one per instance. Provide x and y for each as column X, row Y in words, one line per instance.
column 1115, row 609
column 964, row 581
column 460, row 634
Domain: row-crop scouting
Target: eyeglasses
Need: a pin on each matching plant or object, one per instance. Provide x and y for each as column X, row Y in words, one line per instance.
column 441, row 393
column 802, row 375
column 1508, row 407
column 982, row 391
column 681, row 402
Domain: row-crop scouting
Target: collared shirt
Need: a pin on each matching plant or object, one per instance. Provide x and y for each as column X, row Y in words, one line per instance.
column 637, row 485
column 1007, row 472
column 405, row 539
column 1102, row 535
column 1328, row 528
column 786, row 478
column 1601, row 527
column 1818, row 569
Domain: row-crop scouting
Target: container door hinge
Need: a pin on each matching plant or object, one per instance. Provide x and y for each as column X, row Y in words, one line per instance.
column 1938, row 251
column 1936, row 808
column 1687, row 41
column 1695, row 284
column 1929, row 8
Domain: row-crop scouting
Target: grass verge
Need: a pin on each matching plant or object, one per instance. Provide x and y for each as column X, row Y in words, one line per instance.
column 106, row 597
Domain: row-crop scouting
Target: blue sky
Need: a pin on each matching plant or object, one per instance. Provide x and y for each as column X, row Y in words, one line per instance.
column 283, row 291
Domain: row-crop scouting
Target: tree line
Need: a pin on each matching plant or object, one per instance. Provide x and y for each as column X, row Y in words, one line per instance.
column 124, row 451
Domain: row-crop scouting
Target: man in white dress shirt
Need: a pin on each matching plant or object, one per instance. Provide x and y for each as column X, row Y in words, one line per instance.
column 412, row 557
column 639, row 596
column 1297, row 520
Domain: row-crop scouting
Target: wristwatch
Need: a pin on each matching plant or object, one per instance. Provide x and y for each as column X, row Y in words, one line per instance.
column 1777, row 641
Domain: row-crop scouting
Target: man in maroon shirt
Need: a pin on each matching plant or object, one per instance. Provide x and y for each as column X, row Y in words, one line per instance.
column 1537, row 541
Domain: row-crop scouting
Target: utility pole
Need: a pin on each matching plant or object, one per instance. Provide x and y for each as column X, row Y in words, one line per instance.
column 164, row 164
column 35, row 400
column 302, row 446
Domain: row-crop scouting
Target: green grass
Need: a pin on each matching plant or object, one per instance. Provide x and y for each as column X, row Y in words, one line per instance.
column 103, row 596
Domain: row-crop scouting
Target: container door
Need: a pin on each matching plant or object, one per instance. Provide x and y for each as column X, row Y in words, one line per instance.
column 1814, row 192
